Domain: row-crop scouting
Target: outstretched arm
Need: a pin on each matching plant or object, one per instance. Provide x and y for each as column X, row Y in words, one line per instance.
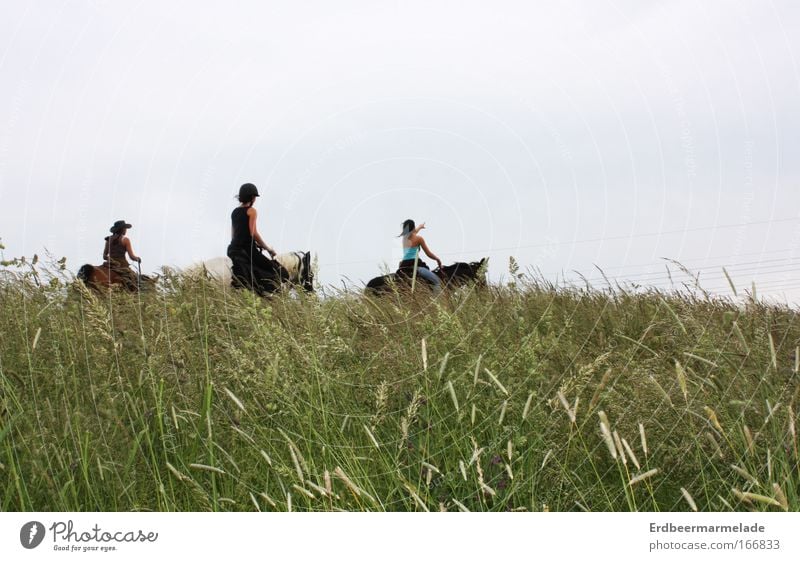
column 252, row 215
column 126, row 243
column 428, row 252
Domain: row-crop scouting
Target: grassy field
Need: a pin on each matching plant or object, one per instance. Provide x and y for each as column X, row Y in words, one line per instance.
column 517, row 397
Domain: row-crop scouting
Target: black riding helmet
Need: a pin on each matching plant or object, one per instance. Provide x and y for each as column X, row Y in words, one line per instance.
column 248, row 190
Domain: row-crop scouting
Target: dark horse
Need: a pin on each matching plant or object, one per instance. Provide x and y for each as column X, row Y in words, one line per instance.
column 104, row 277
column 453, row 276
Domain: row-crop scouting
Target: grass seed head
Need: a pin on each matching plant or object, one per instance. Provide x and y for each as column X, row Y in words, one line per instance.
column 689, row 499
column 641, row 477
column 527, row 407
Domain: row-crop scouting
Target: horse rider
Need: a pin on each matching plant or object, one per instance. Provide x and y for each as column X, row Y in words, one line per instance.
column 249, row 264
column 412, row 242
column 118, row 245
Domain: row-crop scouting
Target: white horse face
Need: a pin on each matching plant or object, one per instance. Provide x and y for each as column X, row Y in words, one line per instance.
column 298, row 264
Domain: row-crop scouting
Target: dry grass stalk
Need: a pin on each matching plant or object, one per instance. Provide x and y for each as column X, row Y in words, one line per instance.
column 269, row 500
column 424, row 354
column 416, row 497
column 477, row 370
column 631, row 455
column 235, row 399
column 643, row 476
column 204, row 467
column 749, row 439
column 715, row 444
column 711, row 363
column 689, row 499
column 527, row 408
column 781, row 497
column 744, row 473
column 296, row 452
column 546, row 457
column 741, row 338
column 460, row 506
column 503, row 408
column 372, row 437
column 643, row 439
column 620, row 449
column 596, row 397
column 176, row 473
column 496, row 381
column 605, row 430
column 663, row 392
column 763, row 499
column 772, row 353
column 326, row 478
column 243, row 434
column 712, row 417
column 741, row 496
column 443, row 365
column 452, row 391
column 488, row 490
column 567, row 408
column 36, row 339
column 792, row 432
column 681, row 374
column 303, row 491
column 321, row 490
column 355, row 489
column 296, row 463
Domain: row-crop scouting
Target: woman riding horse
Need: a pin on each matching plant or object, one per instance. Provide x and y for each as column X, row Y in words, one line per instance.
column 250, row 267
column 412, row 242
column 114, row 254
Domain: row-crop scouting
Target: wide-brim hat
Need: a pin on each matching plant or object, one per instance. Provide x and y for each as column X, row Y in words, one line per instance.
column 119, row 225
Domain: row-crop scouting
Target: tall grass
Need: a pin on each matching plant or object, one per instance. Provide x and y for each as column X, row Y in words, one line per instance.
column 523, row 397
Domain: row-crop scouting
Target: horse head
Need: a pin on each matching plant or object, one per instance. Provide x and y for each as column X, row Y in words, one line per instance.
column 461, row 273
column 298, row 265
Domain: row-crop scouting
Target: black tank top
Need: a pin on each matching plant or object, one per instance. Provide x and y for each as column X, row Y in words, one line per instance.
column 241, row 228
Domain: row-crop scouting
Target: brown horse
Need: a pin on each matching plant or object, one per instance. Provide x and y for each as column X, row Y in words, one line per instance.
column 104, row 277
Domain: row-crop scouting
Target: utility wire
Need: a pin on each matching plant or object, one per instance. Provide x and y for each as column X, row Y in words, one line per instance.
column 593, row 240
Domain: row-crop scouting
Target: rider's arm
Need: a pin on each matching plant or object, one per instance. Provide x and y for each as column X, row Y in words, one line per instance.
column 126, row 243
column 427, row 251
column 252, row 216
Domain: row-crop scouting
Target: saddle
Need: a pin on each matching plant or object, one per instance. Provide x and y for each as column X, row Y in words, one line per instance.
column 259, row 274
column 406, row 268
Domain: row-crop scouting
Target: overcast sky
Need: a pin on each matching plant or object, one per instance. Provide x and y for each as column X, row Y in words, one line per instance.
column 608, row 133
